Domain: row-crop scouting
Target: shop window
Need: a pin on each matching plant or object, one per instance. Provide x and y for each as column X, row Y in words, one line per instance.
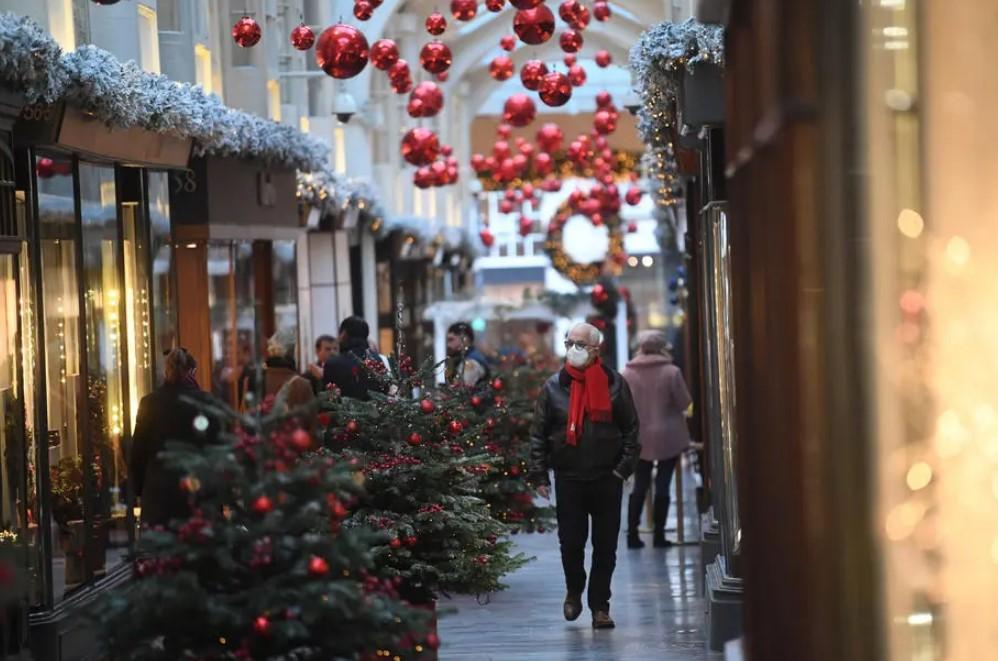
column 233, row 320
column 164, row 314
column 138, row 312
column 285, row 287
column 13, row 476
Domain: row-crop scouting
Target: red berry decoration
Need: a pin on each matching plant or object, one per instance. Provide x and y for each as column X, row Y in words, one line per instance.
column 487, row 238
column 363, row 10
column 427, row 406
column 261, row 625
column 571, row 41
column 501, row 68
column 531, row 74
column 464, row 10
column 318, row 566
column 384, row 53
column 415, row 438
column 497, row 384
column 420, row 146
column 426, row 100
column 577, row 75
column 246, row 32
column 534, row 26
column 603, row 58
column 519, row 110
column 263, row 505
column 395, row 543
column 436, row 57
column 633, row 196
column 436, row 24
column 507, row 42
column 411, row 540
column 525, row 4
column 495, row 5
column 353, row 427
column 555, row 89
column 601, row 10
column 342, row 51
column 302, row 37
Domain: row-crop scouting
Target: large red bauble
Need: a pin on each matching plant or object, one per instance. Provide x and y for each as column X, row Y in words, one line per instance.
column 603, row 99
column 543, row 163
column 603, row 58
column 604, row 122
column 571, row 41
column 550, row 137
column 464, row 10
column 525, row 4
column 581, row 19
column 436, row 24
column 555, row 89
column 363, row 10
column 601, row 10
column 427, row 406
column 487, row 238
column 426, row 100
column 519, row 110
column 633, row 196
column 531, row 74
column 495, row 5
column 507, row 42
column 342, row 51
column 534, row 26
column 436, row 57
column 420, row 146
column 302, row 37
column 384, row 53
column 501, row 68
column 577, row 75
column 246, row 32
column 478, row 163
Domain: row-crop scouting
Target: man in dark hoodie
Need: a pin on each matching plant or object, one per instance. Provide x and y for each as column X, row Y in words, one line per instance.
column 347, row 370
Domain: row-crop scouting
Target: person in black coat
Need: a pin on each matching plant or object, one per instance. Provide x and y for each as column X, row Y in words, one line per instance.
column 585, row 427
column 167, row 415
column 347, row 370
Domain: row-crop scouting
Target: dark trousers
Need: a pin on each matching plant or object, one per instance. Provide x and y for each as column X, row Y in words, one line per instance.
column 578, row 501
column 642, row 482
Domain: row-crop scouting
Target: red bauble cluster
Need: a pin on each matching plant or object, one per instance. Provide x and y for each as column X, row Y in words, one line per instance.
column 464, row 10
column 246, row 32
column 342, row 51
column 420, row 146
column 426, row 100
column 519, row 110
column 302, row 37
column 534, row 26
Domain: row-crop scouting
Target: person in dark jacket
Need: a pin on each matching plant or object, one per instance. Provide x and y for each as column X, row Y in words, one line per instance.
column 167, row 414
column 347, row 370
column 465, row 363
column 585, row 428
column 326, row 347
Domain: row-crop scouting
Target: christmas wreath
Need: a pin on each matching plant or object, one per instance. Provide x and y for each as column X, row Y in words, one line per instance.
column 580, row 203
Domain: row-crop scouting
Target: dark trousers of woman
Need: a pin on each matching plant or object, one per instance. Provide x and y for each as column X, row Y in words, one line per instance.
column 642, row 482
column 577, row 502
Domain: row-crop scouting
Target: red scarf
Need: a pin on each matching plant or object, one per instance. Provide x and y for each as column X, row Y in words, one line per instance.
column 590, row 395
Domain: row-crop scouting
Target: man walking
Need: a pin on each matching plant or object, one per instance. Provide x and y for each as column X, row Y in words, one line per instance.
column 347, row 370
column 465, row 363
column 325, row 348
column 586, row 429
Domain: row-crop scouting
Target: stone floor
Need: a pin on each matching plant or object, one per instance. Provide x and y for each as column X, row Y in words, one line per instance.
column 657, row 603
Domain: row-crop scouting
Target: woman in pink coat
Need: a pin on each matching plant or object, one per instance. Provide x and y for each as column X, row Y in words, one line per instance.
column 661, row 398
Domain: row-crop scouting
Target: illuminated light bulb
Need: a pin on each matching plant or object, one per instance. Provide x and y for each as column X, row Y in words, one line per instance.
column 910, row 223
column 919, row 476
column 958, row 251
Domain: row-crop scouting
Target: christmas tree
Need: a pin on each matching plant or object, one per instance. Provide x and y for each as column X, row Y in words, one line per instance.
column 263, row 568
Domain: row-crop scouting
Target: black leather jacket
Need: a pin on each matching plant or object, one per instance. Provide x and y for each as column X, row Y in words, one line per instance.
column 602, row 448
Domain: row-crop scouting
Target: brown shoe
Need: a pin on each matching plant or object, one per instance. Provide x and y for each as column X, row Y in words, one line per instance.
column 602, row 620
column 573, row 606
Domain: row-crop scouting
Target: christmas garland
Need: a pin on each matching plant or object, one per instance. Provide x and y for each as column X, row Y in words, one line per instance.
column 582, row 274
column 331, row 194
column 123, row 95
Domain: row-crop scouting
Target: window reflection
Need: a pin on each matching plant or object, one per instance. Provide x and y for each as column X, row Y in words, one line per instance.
column 161, row 250
column 233, row 320
column 285, row 279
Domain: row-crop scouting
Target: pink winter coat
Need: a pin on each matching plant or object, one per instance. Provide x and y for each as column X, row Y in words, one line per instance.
column 661, row 397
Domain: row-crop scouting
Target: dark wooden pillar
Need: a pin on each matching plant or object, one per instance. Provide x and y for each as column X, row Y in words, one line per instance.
column 193, row 321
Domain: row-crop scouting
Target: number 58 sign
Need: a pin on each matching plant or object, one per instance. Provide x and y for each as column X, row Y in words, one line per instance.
column 184, row 181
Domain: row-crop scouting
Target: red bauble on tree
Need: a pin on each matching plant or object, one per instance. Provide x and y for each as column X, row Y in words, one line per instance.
column 501, row 68
column 633, row 196
column 302, row 37
column 550, row 137
column 420, row 146
column 603, row 58
column 531, row 74
column 435, row 57
column 571, row 41
column 555, row 89
column 342, row 51
column 261, row 625
column 570, row 60
column 507, row 42
column 426, row 100
column 455, row 427
column 519, row 110
column 384, row 53
column 263, row 505
column 427, row 406
column 415, row 438
column 534, row 26
column 601, row 10
column 487, row 238
column 495, row 5
column 464, row 10
column 363, row 10
column 318, row 566
column 436, row 24
column 577, row 75
column 246, row 32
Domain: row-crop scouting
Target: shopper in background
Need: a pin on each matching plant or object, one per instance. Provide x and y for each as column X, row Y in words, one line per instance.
column 661, row 398
column 347, row 371
column 465, row 363
column 326, row 347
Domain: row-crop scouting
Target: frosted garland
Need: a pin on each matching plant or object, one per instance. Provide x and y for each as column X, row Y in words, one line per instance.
column 332, row 193
column 29, row 59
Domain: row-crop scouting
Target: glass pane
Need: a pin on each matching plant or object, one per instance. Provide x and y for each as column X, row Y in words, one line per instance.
column 137, row 309
column 61, row 314
column 106, row 413
column 161, row 249
column 233, row 321
column 285, row 274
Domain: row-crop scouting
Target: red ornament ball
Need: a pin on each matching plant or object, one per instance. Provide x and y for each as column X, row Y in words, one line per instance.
column 427, row 406
column 604, row 122
column 550, row 137
column 487, row 238
column 342, row 51
column 426, row 100
column 464, row 10
column 603, row 58
column 45, row 169
column 501, row 68
column 384, row 53
column 261, row 625
column 411, row 540
column 436, row 24
column 402, row 85
column 504, row 131
column 581, row 19
column 420, row 146
column 601, row 10
column 555, row 89
column 318, row 566
column 363, row 10
column 571, row 41
column 395, row 543
column 526, row 226
column 455, row 427
column 519, row 110
column 570, row 60
column 525, row 4
column 495, row 5
column 577, row 75
column 302, row 37
column 534, row 26
column 633, row 196
column 507, row 42
column 603, row 99
column 531, row 74
column 632, row 227
column 263, row 505
column 543, row 163
column 442, row 77
column 423, row 178
column 436, row 57
column 246, row 32
column 506, row 206
column 353, row 427
column 415, row 438
column 476, row 401
column 478, row 163
column 301, row 439
column 497, row 384
column 568, row 9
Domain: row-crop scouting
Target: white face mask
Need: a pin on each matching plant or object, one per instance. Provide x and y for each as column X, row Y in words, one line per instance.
column 577, row 357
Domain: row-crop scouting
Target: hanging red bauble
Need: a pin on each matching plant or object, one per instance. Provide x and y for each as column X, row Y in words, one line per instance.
column 478, row 163
column 603, row 99
column 501, row 68
column 439, row 170
column 633, row 196
column 528, row 189
column 571, row 41
column 435, row 57
column 507, row 170
column 455, row 427
column 570, row 60
column 342, row 51
column 423, row 178
column 420, row 146
column 436, row 24
column 603, row 58
column 45, row 168
column 263, row 505
column 543, row 163
column 568, row 9
column 520, row 164
column 531, row 74
column 487, row 238
column 601, row 10
column 599, row 295
column 432, row 640
column 555, row 89
column 604, row 123
column 261, row 625
column 632, row 227
column 527, row 150
column 395, row 543
column 505, row 206
column 246, row 32
column 415, row 438
column 551, row 184
column 495, row 5
column 446, row 150
column 464, row 10
column 442, row 77
column 363, row 10
column 534, row 26
column 525, row 4
column 581, row 19
column 526, row 226
column 497, row 384
column 426, row 100
column 504, row 131
column 519, row 110
column 501, row 149
column 577, row 75
column 549, row 137
column 384, row 53
column 427, row 406
column 402, row 85
column 507, row 42
column 318, row 566
column 302, row 37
